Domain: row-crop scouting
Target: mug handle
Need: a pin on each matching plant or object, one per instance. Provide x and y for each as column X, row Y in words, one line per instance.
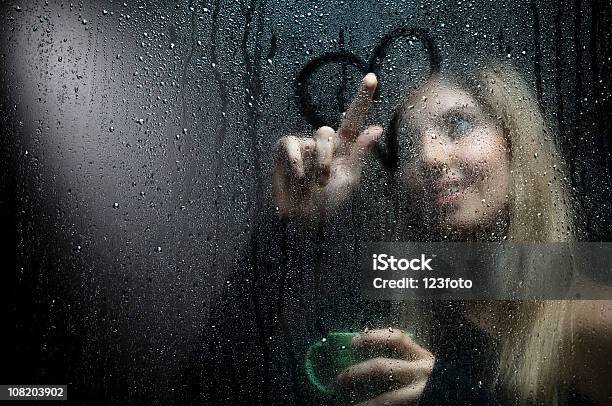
column 310, row 370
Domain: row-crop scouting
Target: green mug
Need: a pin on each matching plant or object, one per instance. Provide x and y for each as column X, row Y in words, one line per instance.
column 326, row 358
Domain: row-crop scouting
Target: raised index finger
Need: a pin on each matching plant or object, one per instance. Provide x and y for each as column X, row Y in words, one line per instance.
column 357, row 112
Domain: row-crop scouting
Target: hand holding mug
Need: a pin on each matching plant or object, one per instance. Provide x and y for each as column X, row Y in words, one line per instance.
column 389, row 381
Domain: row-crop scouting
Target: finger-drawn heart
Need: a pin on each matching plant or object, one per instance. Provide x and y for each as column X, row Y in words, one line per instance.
column 311, row 111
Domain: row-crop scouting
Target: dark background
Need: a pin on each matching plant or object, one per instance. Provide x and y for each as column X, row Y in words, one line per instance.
column 136, row 143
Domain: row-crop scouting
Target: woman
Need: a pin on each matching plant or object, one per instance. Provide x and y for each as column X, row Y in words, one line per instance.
column 483, row 162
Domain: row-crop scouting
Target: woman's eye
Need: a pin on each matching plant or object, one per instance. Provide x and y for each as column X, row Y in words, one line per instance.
column 460, row 124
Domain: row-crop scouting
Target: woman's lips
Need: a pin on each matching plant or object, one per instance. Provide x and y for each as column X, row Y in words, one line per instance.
column 450, row 197
column 450, row 193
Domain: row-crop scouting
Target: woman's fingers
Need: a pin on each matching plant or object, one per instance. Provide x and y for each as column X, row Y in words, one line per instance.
column 380, row 371
column 288, row 156
column 291, row 155
column 349, row 163
column 357, row 112
column 386, row 380
column 325, row 143
column 303, row 166
column 406, row 396
column 364, row 143
column 391, row 339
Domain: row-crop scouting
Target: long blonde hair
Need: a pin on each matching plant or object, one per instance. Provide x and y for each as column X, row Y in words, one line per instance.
column 532, row 353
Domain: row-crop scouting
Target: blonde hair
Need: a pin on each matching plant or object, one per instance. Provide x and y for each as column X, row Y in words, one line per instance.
column 532, row 353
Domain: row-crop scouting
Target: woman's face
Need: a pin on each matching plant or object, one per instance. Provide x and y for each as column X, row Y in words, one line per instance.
column 458, row 160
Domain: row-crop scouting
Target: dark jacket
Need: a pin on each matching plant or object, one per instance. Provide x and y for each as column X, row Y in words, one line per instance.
column 294, row 287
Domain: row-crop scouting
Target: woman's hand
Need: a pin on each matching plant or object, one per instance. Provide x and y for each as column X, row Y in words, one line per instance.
column 388, row 381
column 312, row 174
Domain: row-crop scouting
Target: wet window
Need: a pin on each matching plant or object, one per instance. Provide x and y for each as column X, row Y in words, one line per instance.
column 308, row 203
